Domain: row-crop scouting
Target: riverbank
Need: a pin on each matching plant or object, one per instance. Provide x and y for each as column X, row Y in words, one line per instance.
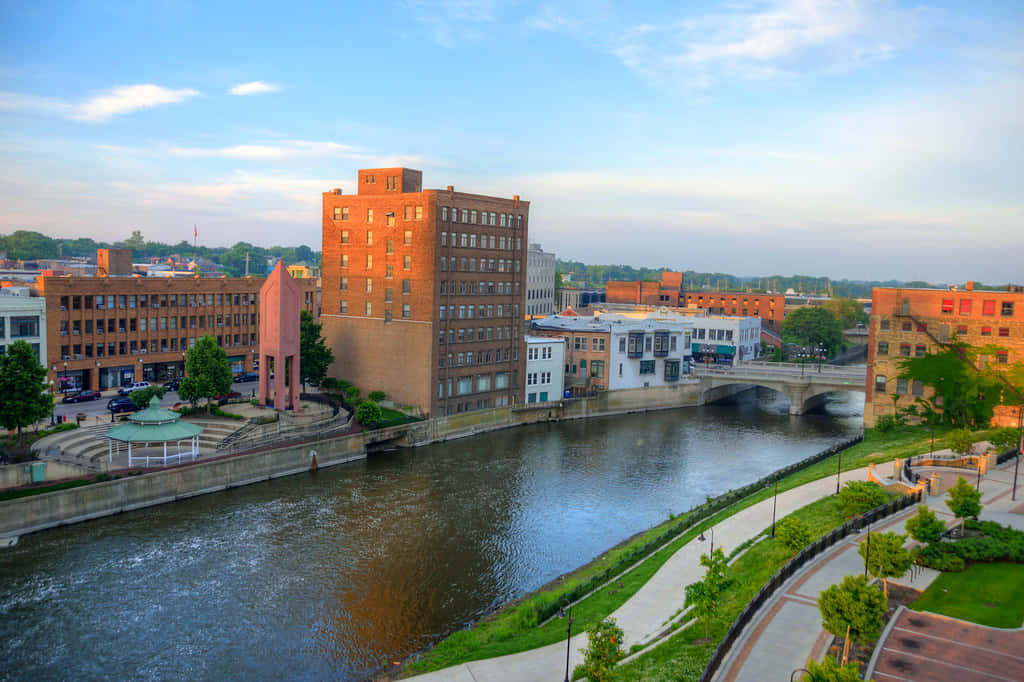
column 511, row 629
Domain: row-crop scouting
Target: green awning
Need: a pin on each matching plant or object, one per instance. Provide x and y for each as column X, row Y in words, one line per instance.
column 717, row 349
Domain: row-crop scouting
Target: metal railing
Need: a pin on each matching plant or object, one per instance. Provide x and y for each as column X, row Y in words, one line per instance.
column 795, row 564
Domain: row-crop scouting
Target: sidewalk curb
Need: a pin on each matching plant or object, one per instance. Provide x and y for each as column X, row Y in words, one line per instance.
column 881, row 639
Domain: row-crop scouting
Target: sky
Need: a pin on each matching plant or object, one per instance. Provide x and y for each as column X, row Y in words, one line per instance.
column 855, row 139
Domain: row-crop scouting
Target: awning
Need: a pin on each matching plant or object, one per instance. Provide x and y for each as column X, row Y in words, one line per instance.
column 711, row 348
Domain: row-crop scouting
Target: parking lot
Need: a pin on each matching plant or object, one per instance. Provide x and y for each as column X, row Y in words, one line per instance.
column 94, row 409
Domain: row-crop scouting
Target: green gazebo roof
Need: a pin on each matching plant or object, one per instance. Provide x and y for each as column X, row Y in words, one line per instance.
column 154, row 425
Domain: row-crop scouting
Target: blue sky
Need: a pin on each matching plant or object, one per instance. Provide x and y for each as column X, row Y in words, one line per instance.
column 856, row 138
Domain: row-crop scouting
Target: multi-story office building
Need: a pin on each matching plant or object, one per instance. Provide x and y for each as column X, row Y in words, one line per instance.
column 104, row 332
column 540, row 282
column 423, row 292
column 545, row 369
column 909, row 323
column 23, row 318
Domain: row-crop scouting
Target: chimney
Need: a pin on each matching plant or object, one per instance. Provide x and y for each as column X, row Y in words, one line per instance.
column 515, row 200
column 337, row 190
column 970, row 285
column 451, row 188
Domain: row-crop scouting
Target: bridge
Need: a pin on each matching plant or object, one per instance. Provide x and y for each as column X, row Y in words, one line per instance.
column 804, row 384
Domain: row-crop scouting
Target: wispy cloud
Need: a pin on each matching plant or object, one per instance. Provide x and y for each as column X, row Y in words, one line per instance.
column 269, row 152
column 452, row 22
column 126, row 99
column 32, row 104
column 253, row 88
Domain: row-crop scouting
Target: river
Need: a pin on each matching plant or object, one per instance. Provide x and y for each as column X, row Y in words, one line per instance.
column 337, row 574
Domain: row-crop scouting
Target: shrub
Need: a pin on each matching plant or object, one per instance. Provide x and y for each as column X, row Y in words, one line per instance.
column 830, row 670
column 330, row 384
column 793, row 533
column 368, row 413
column 961, row 441
column 1004, row 439
column 377, row 396
column 604, row 650
column 886, row 423
column 857, row 497
column 352, row 392
column 925, row 527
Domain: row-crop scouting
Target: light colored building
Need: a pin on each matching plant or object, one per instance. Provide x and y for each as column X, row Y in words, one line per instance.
column 545, row 369
column 586, row 342
column 647, row 352
column 23, row 318
column 579, row 299
column 540, row 282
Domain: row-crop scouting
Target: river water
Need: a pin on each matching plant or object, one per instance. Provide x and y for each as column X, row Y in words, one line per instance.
column 337, row 574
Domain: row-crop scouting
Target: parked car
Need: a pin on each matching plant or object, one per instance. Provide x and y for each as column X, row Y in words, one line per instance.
column 223, row 399
column 173, row 384
column 137, row 386
column 82, row 396
column 122, row 404
column 247, row 376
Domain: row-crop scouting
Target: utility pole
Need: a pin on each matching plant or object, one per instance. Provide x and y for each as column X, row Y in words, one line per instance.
column 246, row 263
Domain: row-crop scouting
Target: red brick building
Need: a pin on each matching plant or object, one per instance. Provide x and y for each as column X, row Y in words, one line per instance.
column 669, row 292
column 423, row 292
column 914, row 322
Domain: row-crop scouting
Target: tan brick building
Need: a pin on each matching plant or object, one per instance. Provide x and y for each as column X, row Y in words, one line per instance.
column 587, row 350
column 914, row 322
column 423, row 292
column 104, row 332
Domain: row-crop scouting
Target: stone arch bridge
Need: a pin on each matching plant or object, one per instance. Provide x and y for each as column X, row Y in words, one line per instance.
column 804, row 385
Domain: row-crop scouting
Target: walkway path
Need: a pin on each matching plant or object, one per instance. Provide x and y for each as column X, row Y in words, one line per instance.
column 647, row 612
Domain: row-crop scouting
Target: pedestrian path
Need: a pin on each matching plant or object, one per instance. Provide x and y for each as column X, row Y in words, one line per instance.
column 646, row 613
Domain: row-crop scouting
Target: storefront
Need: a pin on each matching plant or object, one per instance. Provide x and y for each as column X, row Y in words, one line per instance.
column 113, row 377
column 713, row 354
column 69, row 381
column 237, row 363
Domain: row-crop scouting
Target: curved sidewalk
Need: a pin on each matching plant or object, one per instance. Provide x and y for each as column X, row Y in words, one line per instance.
column 648, row 611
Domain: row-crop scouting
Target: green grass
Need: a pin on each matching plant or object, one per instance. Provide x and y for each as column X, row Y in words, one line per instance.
column 510, row 630
column 391, row 417
column 988, row 594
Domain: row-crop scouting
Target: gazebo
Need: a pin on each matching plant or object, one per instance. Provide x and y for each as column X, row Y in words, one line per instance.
column 154, row 425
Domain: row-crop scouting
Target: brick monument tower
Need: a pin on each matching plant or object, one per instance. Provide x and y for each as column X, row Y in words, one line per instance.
column 279, row 339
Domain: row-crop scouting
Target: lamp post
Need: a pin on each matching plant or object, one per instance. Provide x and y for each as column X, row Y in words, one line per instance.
column 1020, row 448
column 839, row 468
column 568, row 637
column 820, row 350
column 701, row 538
column 53, row 407
column 867, row 553
column 775, row 500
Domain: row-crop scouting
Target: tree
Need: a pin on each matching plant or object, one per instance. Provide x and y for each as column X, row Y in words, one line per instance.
column 604, row 650
column 829, row 670
column 28, row 245
column 793, row 533
column 857, row 497
column 812, row 326
column 964, row 501
column 207, row 372
column 1004, row 439
column 706, row 596
column 22, row 385
column 377, row 396
column 141, row 397
column 847, row 311
column 885, row 556
column 369, row 413
column 314, row 355
column 925, row 526
column 961, row 441
column 964, row 394
column 852, row 609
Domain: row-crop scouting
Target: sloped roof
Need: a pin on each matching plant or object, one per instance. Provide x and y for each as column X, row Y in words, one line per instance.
column 154, row 425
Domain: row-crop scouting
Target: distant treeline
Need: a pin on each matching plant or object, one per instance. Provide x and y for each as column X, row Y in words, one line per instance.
column 26, row 245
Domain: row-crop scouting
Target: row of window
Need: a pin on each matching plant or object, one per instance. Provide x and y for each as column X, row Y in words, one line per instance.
column 125, row 325
column 389, row 268
column 920, row 349
column 481, row 404
column 389, row 244
column 596, row 368
column 481, row 357
column 409, row 213
column 388, row 292
column 538, row 378
column 368, row 310
column 961, row 329
column 467, row 312
column 463, row 264
column 171, row 345
column 474, row 288
column 639, row 343
column 542, row 353
column 470, row 334
column 154, row 301
column 470, row 217
column 916, row 386
column 966, row 305
column 22, row 326
column 487, row 241
column 464, row 385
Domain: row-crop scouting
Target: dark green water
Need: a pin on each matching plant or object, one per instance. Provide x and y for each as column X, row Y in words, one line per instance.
column 333, row 575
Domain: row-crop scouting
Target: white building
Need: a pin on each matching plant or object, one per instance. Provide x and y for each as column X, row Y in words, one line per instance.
column 545, row 366
column 540, row 282
column 23, row 318
column 647, row 352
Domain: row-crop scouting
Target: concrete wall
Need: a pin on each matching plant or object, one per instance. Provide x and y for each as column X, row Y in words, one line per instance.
column 14, row 475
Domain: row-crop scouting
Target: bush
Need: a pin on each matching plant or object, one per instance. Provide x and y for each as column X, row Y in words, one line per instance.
column 830, row 670
column 998, row 543
column 368, row 413
column 858, row 497
column 793, row 533
column 330, row 384
column 352, row 392
column 886, row 423
column 604, row 650
column 377, row 396
column 960, row 441
column 1004, row 439
column 925, row 527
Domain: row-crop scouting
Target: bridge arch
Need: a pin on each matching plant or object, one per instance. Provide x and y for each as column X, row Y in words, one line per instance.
column 805, row 389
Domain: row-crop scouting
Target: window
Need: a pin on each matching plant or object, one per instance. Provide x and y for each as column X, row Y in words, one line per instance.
column 369, row 261
column 884, row 325
column 965, row 306
column 961, row 329
column 986, row 331
column 1004, row 331
column 407, row 262
column 419, row 213
column 344, row 260
column 901, row 386
column 905, row 350
column 883, row 348
column 472, row 217
column 389, row 295
column 988, row 307
column 597, row 344
column 920, row 350
column 369, row 215
column 369, row 285
column 1007, row 309
column 24, row 326
column 406, row 311
column 389, row 270
column 344, row 307
column 407, row 237
column 369, row 309
column 947, row 306
column 406, row 286
column 907, row 326
column 622, row 344
column 879, row 383
column 1003, row 357
column 922, row 327
column 389, row 246
column 671, row 370
column 337, row 212
column 917, row 387
column 444, row 214
column 596, row 369
column 647, row 367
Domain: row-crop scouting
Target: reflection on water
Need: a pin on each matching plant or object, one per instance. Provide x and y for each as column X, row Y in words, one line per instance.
column 335, row 574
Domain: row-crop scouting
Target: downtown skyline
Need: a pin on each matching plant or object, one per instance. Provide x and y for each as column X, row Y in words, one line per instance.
column 861, row 140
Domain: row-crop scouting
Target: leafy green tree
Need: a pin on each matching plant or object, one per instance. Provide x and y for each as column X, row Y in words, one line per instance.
column 962, row 441
column 830, row 670
column 207, row 371
column 1004, row 439
column 925, row 526
column 885, row 556
column 847, row 311
column 812, row 326
column 793, row 533
column 604, row 650
column 857, row 497
column 141, row 397
column 964, row 501
column 22, row 388
column 964, row 394
column 706, row 596
column 369, row 413
column 377, row 396
column 853, row 610
column 314, row 355
column 28, row 245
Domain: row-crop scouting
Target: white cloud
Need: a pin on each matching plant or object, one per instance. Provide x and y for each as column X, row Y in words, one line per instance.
column 269, row 152
column 253, row 88
column 32, row 104
column 452, row 22
column 126, row 99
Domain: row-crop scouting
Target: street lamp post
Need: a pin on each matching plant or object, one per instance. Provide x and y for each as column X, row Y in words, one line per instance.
column 701, row 538
column 839, row 468
column 1020, row 448
column 820, row 350
column 53, row 407
column 867, row 553
column 775, row 500
column 568, row 638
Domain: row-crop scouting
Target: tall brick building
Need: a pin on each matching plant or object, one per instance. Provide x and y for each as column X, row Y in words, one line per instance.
column 670, row 292
column 423, row 292
column 915, row 322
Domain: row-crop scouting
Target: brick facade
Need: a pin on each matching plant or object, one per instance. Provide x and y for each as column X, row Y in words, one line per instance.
column 914, row 322
column 414, row 302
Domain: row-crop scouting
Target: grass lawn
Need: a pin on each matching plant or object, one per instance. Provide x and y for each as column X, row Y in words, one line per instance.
column 988, row 594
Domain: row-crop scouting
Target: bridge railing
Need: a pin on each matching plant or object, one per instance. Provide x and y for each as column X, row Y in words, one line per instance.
column 787, row 369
